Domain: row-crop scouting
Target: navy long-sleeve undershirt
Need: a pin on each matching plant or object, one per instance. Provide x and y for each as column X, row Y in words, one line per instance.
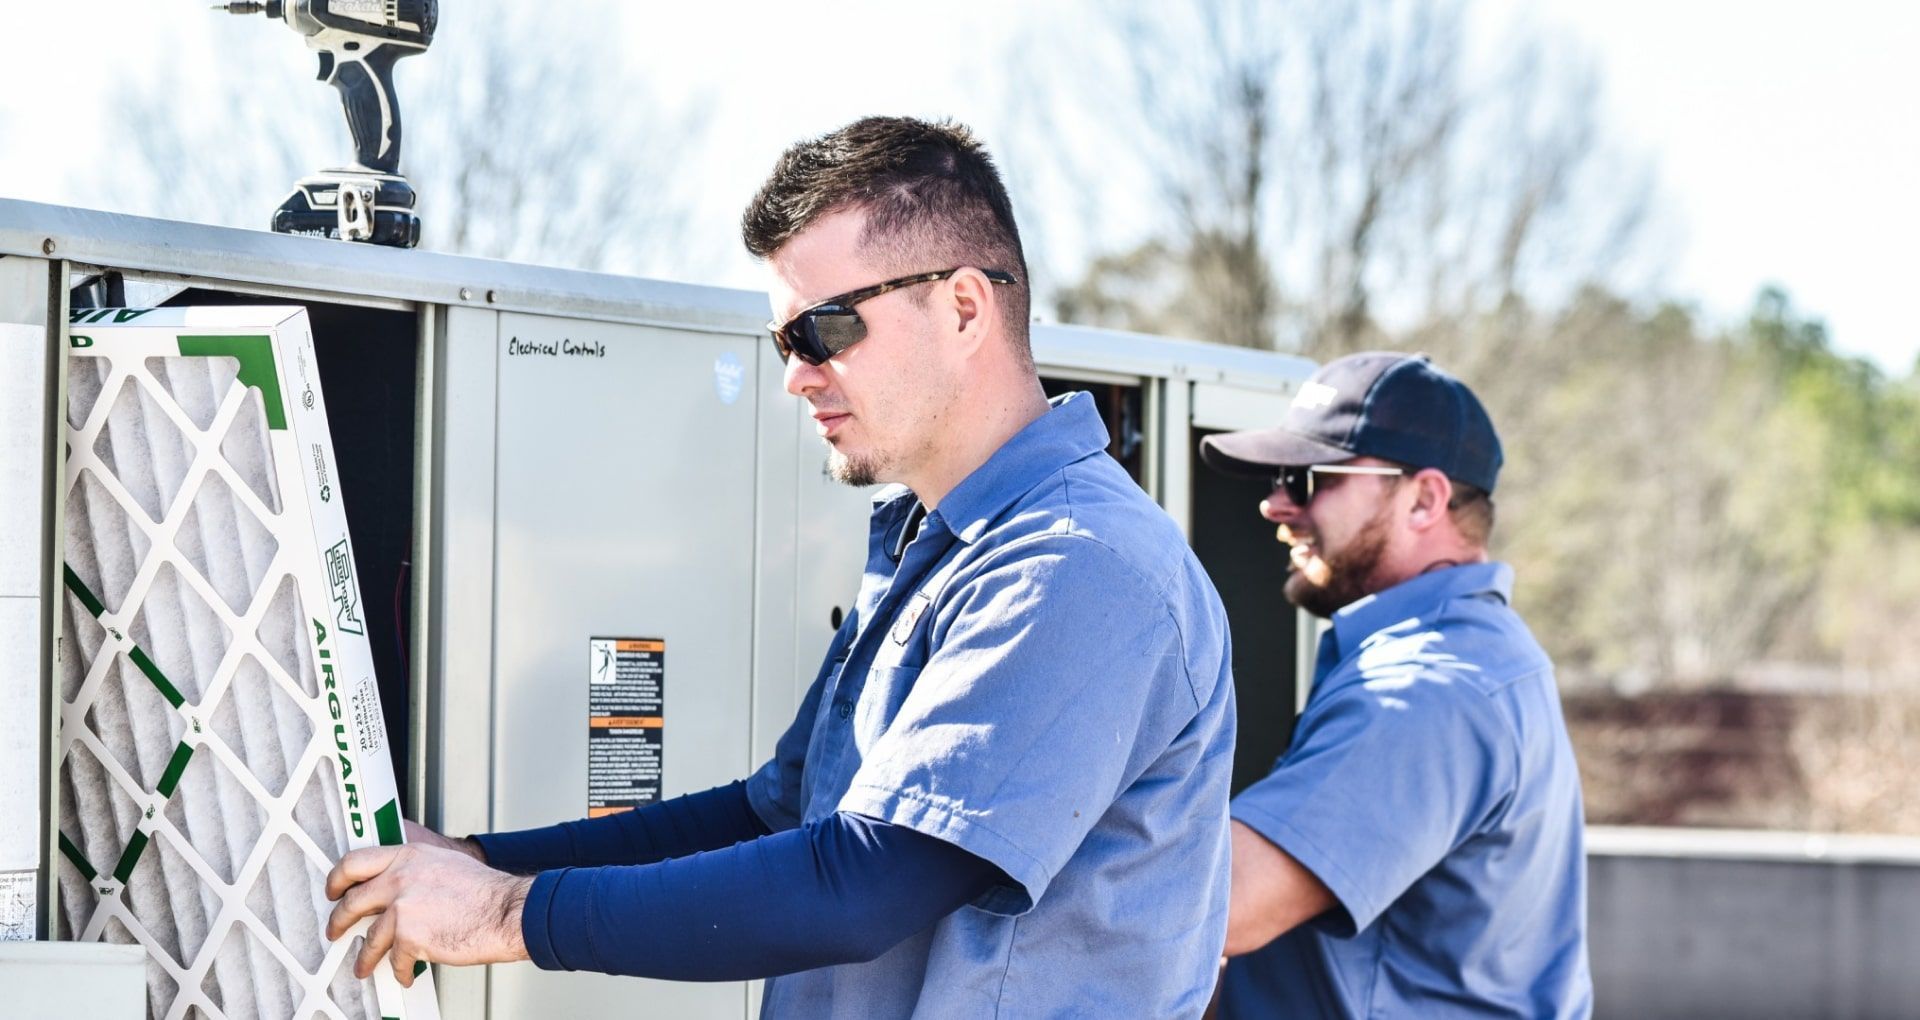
column 683, row 904
column 707, row 820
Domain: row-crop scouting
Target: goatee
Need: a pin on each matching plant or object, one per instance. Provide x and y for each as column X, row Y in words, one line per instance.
column 848, row 471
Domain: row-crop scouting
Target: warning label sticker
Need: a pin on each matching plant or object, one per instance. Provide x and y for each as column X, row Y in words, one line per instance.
column 626, row 680
column 16, row 906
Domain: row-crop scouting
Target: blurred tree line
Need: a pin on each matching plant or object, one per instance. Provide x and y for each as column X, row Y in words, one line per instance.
column 1685, row 504
column 1694, row 507
column 1716, row 529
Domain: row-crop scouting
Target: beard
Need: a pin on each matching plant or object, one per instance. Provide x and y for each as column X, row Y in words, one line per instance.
column 857, row 472
column 1349, row 572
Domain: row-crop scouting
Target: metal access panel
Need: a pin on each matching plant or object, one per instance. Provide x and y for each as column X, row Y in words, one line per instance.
column 625, row 512
column 830, row 550
column 28, row 465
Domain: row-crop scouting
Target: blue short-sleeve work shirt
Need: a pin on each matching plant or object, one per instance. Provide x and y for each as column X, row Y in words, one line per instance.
column 1039, row 674
column 1430, row 784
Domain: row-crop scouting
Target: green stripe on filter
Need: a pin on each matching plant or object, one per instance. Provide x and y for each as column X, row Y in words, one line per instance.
column 175, row 766
column 79, row 860
column 386, row 822
column 255, row 354
column 147, row 666
column 135, row 847
column 80, row 591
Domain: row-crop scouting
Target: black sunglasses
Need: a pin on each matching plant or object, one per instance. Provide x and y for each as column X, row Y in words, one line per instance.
column 1297, row 482
column 823, row 330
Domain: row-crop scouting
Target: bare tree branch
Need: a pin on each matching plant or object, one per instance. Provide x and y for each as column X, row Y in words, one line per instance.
column 1331, row 170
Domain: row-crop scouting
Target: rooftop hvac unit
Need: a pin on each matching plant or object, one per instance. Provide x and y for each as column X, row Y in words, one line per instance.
column 559, row 464
column 221, row 738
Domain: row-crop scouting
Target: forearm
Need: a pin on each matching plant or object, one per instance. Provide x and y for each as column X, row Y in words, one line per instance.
column 511, row 902
column 707, row 820
column 841, row 890
column 1271, row 892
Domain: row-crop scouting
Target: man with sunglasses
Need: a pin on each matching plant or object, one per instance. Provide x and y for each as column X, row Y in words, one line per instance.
column 1417, row 850
column 1006, row 791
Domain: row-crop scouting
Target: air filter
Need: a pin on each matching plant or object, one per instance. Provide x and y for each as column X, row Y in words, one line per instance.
column 221, row 740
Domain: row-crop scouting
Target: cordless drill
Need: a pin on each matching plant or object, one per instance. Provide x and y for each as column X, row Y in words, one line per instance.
column 358, row 42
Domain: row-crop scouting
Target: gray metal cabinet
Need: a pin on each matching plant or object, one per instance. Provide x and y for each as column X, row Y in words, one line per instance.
column 625, row 509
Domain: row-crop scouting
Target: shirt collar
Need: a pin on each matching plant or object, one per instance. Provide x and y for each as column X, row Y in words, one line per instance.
column 1416, row 597
column 1071, row 430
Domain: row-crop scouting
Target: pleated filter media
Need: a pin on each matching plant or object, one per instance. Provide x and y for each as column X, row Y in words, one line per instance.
column 221, row 738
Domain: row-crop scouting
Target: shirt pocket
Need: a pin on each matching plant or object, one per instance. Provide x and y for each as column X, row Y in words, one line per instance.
column 886, row 690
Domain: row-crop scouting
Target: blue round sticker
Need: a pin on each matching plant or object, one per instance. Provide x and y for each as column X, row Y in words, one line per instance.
column 728, row 376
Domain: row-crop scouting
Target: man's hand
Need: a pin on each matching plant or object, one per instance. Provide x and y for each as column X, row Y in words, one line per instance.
column 433, row 904
column 417, row 833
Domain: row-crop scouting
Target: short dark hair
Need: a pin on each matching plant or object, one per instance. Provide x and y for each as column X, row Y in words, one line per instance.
column 1472, row 511
column 1470, row 507
column 932, row 196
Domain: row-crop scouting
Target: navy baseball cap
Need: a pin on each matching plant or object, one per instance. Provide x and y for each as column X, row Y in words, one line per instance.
column 1383, row 404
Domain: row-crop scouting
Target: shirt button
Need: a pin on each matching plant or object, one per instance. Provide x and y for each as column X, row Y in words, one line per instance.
column 844, row 707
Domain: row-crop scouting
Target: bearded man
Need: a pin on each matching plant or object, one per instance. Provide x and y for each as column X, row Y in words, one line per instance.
column 1417, row 851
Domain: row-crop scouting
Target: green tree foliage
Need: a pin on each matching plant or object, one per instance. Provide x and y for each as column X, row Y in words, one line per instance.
column 1692, row 507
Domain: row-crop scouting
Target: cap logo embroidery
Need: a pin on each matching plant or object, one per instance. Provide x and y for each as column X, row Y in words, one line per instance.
column 1314, row 395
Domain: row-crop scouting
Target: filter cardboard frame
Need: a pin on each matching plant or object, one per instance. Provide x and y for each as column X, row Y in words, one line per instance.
column 187, row 553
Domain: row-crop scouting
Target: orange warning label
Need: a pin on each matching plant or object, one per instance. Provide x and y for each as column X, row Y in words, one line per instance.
column 626, row 722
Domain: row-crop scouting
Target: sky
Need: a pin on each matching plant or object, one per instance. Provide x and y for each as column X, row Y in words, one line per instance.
column 1787, row 143
column 1782, row 136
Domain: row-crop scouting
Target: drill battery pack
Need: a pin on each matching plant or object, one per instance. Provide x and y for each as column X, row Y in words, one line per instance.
column 351, row 205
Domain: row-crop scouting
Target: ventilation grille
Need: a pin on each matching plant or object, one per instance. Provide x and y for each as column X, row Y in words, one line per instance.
column 201, row 808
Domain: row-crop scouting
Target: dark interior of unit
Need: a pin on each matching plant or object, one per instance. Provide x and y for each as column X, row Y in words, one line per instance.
column 1120, row 408
column 368, row 361
column 1237, row 547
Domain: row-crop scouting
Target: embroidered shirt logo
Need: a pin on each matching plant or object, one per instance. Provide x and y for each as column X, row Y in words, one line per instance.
column 909, row 615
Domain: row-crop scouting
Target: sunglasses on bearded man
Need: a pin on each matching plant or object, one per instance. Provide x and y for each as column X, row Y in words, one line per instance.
column 1297, row 482
column 826, row 328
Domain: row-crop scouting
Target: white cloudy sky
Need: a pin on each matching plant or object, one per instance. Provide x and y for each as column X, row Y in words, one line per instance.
column 1787, row 141
column 1783, row 133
